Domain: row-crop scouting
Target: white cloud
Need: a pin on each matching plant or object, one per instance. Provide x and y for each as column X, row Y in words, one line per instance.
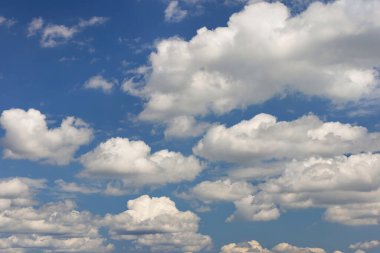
column 347, row 187
column 365, row 245
column 174, row 13
column 15, row 192
column 53, row 35
column 264, row 138
column 184, row 126
column 221, row 190
column 25, row 243
column 27, row 136
column 156, row 223
column 7, row 22
column 256, row 247
column 53, row 227
column 264, row 52
column 131, row 162
column 71, row 187
column 255, row 208
column 99, row 82
column 35, row 25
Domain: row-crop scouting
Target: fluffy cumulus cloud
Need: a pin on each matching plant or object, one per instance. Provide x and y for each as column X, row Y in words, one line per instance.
column 99, row 82
column 220, row 191
column 264, row 138
column 53, row 35
column 263, row 52
column 27, row 136
column 256, row 247
column 132, row 162
column 157, row 224
column 53, row 227
column 347, row 187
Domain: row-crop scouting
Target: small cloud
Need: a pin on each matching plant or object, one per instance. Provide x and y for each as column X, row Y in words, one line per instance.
column 34, row 26
column 7, row 22
column 174, row 13
column 53, row 35
column 99, row 82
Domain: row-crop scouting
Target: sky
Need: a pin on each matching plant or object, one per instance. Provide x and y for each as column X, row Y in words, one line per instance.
column 222, row 126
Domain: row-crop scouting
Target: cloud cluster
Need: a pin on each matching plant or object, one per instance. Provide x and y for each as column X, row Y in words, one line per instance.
column 264, row 138
column 157, row 224
column 150, row 223
column 27, row 136
column 132, row 162
column 99, row 82
column 262, row 52
column 256, row 247
column 347, row 187
column 53, row 227
column 53, row 35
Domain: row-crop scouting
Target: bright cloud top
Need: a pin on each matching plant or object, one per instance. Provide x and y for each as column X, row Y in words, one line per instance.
column 27, row 136
column 264, row 52
column 263, row 138
column 53, row 35
column 156, row 223
column 132, row 162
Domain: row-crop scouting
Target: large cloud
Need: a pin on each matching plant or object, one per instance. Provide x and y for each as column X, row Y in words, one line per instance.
column 347, row 187
column 262, row 52
column 263, row 138
column 27, row 136
column 131, row 161
column 156, row 223
column 255, row 247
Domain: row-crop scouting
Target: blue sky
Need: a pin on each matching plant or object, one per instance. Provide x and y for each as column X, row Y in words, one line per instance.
column 190, row 126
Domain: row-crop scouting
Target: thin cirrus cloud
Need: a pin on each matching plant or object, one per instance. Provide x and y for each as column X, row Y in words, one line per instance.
column 264, row 138
column 27, row 136
column 239, row 65
column 133, row 164
column 157, row 224
column 53, row 35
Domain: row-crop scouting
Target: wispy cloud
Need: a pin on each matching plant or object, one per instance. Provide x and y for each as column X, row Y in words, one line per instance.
column 53, row 35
